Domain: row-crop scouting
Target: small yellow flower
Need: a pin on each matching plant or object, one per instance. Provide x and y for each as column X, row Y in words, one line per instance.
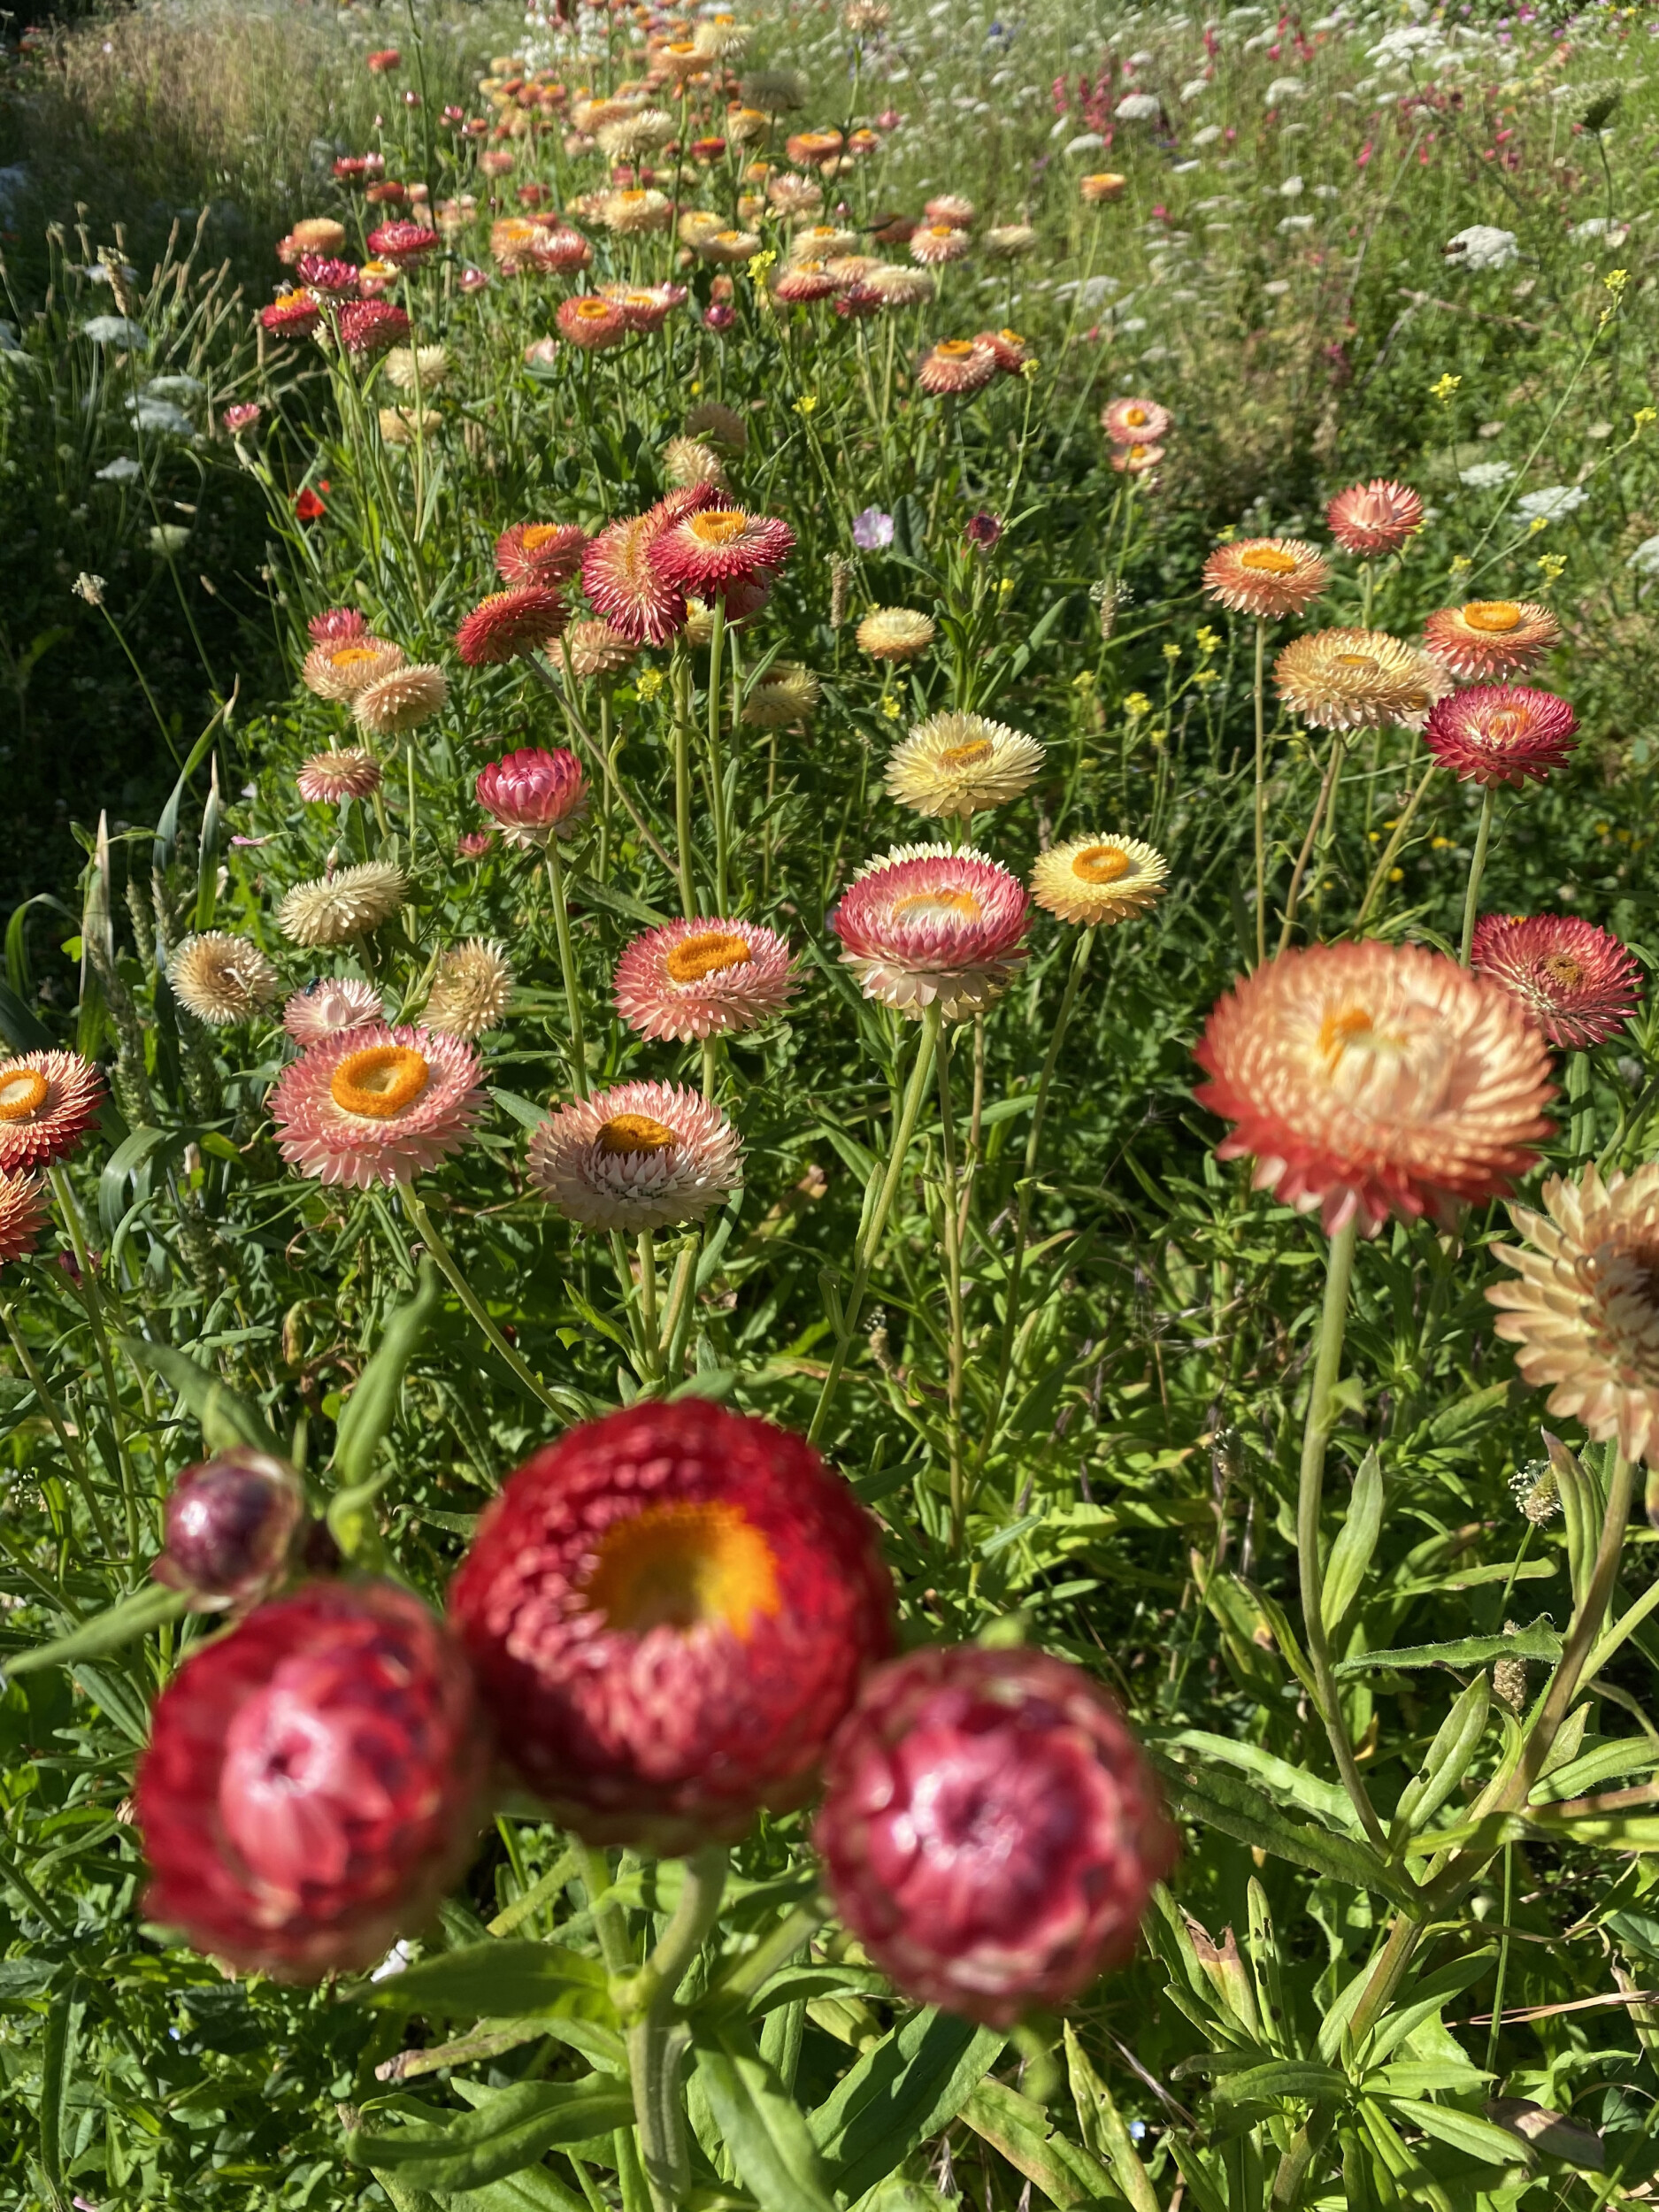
column 1443, row 390
column 1553, row 565
column 1205, row 676
column 1171, row 651
column 1538, row 523
column 757, row 267
column 1137, row 704
column 696, row 387
column 1615, row 279
column 1441, row 844
column 1029, row 368
column 1396, row 875
column 1006, row 584
column 1460, row 562
column 650, row 683
column 1642, row 417
column 806, row 403
column 891, row 708
column 1208, row 640
column 1084, row 681
column 1226, row 536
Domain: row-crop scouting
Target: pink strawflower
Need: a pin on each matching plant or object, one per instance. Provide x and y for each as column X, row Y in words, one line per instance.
column 1489, row 641
column 928, row 924
column 473, row 844
column 292, row 315
column 1496, row 733
column 330, row 1006
column 243, row 416
column 508, row 624
column 702, row 978
column 1578, row 982
column 1375, row 517
column 718, row 547
column 48, row 1102
column 334, row 278
column 336, row 625
column 539, row 552
column 624, row 583
column 367, row 327
column 325, row 778
column 402, row 244
column 1135, row 421
column 638, row 1155
column 956, row 367
column 24, row 1213
column 377, row 1105
column 592, row 323
column 531, row 792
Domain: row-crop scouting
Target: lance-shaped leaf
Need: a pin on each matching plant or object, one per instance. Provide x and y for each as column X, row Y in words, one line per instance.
column 510, row 2131
column 901, row 2093
column 367, row 1418
column 226, row 1420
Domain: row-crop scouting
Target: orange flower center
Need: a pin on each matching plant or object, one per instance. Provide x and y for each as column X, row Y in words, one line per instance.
column 1134, row 417
column 942, row 905
column 350, row 656
column 537, row 534
column 727, row 238
column 1357, row 660
column 1352, row 1025
column 1563, row 969
column 1505, row 726
column 296, row 299
column 1101, row 864
column 379, row 1081
column 636, row 1133
column 684, row 1567
column 22, row 1092
column 1138, row 453
column 708, row 953
column 969, row 755
column 593, row 310
column 1494, row 616
column 718, row 525
column 954, row 348
column 1267, row 560
column 941, row 230
column 631, row 199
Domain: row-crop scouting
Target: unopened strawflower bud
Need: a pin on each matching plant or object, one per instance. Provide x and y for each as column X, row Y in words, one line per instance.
column 991, row 1831
column 230, row 1529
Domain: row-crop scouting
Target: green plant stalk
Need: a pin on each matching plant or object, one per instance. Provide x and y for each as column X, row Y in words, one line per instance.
column 73, row 1457
column 68, row 1206
column 449, row 1268
column 682, row 783
column 1477, row 869
column 875, row 1227
column 1379, row 874
column 651, row 1343
column 612, row 1931
column 1261, row 792
column 1022, row 1222
column 717, row 782
column 657, row 2038
column 567, row 965
column 1321, row 1419
column 951, row 1227
column 1327, row 786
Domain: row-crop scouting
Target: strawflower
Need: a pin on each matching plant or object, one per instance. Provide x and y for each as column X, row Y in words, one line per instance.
column 638, row 1155
column 508, row 624
column 957, row 764
column 1495, row 734
column 896, row 633
column 1381, row 516
column 48, row 1102
column 1135, row 421
column 532, row 792
column 786, row 693
column 1267, row 577
column 539, row 552
column 338, row 667
column 325, row 778
column 329, row 1006
column 1489, row 640
column 344, row 906
column 1099, row 879
column 702, row 978
column 221, row 978
column 718, row 547
column 955, row 366
column 24, row 1213
column 229, row 1526
column 401, row 701
column 472, row 990
column 377, row 1105
column 926, row 925
column 1355, row 680
column 1578, row 982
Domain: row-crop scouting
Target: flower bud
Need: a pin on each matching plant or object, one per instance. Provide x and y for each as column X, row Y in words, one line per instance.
column 991, row 1831
column 230, row 1528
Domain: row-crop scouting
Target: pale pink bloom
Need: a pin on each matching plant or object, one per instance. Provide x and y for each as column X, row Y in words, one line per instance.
column 327, row 777
column 330, row 1006
column 926, row 925
column 640, row 1155
column 377, row 1105
column 702, row 978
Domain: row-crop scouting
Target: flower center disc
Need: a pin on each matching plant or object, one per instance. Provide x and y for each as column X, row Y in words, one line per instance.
column 1139, row 452
column 636, row 1133
column 942, row 905
column 1494, row 616
column 968, row 756
column 348, row 656
column 953, row 349
column 1134, row 417
column 1352, row 1025
column 708, row 953
column 22, row 1092
column 680, row 1566
column 1355, row 660
column 1269, row 560
column 593, row 310
column 379, row 1081
column 537, row 535
column 1101, row 864
column 1563, row 971
column 719, row 527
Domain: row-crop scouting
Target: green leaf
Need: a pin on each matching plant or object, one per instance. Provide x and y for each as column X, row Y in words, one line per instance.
column 167, row 828
column 1476, row 2139
column 134, row 1153
column 23, row 1031
column 1540, row 1641
column 207, row 853
column 1327, row 1800
column 759, row 2121
column 1356, row 1543
column 532, row 2189
column 1101, row 2125
column 1244, row 1814
column 227, row 1420
column 1284, row 2077
column 368, row 1417
column 135, row 1614
column 1025, row 2134
column 1455, row 1745
column 517, row 1977
column 510, row 2130
column 899, row 2094
column 522, row 1110
column 58, row 2076
column 1428, row 2000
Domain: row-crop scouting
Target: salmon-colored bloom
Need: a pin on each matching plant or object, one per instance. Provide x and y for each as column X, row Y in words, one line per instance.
column 1269, row 576
column 804, row 282
column 718, row 547
column 339, row 668
column 624, row 584
column 638, row 1155
column 24, row 1213
column 394, row 704
column 1358, row 680
column 336, row 624
column 377, row 1105
column 1136, row 460
column 1578, row 982
column 1101, row 186
column 956, row 366
column 1135, row 421
column 592, row 322
column 327, row 778
column 951, row 208
column 702, row 978
column 1367, row 520
column 1496, row 733
column 598, row 649
column 933, row 244
column 1368, row 1079
column 292, row 315
column 1490, row 639
column 531, row 792
column 539, row 552
column 509, row 625
column 405, row 245
column 48, row 1102
column 927, row 926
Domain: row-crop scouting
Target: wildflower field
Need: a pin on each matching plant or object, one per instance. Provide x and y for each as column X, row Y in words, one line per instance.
column 829, row 1127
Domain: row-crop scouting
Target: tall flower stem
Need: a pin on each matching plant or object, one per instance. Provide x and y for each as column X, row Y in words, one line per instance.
column 449, row 1268
column 1333, row 768
column 1477, row 869
column 682, row 783
column 1261, row 792
column 1315, row 1437
column 722, row 829
column 1379, row 873
column 650, row 1342
column 567, row 966
column 1022, row 1220
column 73, row 1457
column 657, row 2038
column 69, row 1208
column 876, row 1226
column 952, row 1224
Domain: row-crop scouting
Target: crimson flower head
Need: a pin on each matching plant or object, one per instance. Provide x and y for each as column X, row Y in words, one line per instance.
column 623, row 581
column 991, row 1831
column 337, row 625
column 367, row 327
column 403, row 243
column 531, row 792
column 709, row 552
column 292, row 315
column 307, row 506
column 1578, row 982
column 335, row 279
column 230, row 1528
column 539, row 552
column 721, row 316
column 982, row 529
column 313, row 1781
column 1367, row 520
column 508, row 624
column 359, row 168
column 1494, row 733
column 669, row 1611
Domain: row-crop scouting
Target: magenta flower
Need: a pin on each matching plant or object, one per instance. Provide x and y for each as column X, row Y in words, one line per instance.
column 531, row 792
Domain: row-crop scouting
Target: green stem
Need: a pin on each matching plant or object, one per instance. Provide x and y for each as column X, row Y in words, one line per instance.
column 1333, row 768
column 1261, row 794
column 682, row 783
column 1379, row 874
column 71, row 1450
column 613, row 1935
column 952, row 1226
column 567, row 966
column 657, row 2038
column 1321, row 1419
column 68, row 1206
column 541, row 1892
column 722, row 829
column 1477, row 869
column 450, row 1267
column 651, row 1343
column 875, row 1230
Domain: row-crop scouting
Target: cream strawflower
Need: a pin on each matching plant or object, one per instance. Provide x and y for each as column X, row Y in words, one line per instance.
column 786, row 693
column 1099, row 879
column 896, row 633
column 401, row 701
column 338, row 668
column 957, row 765
column 408, row 368
column 377, row 1105
column 702, row 978
column 640, row 1155
column 341, row 907
column 1584, row 1314
column 329, row 1005
column 688, row 461
column 472, row 990
column 327, row 778
column 221, row 978
column 1358, row 680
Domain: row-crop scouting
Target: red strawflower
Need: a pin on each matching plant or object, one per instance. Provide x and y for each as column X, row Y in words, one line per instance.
column 669, row 1611
column 531, row 792
column 1375, row 517
column 385, row 59
column 358, row 168
column 624, row 583
column 292, row 315
column 24, row 1213
column 403, row 243
column 368, row 327
column 708, row 552
column 231, row 1523
column 335, row 279
column 312, row 1781
column 508, row 624
column 48, row 1102
column 991, row 1831
column 1578, row 982
column 1496, row 733
column 336, row 625
column 539, row 552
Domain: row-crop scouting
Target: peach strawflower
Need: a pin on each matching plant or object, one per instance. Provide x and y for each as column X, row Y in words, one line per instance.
column 401, row 701
column 378, row 1105
column 1136, row 460
column 896, row 633
column 957, row 764
column 508, row 624
column 338, row 668
column 1496, row 733
column 325, row 778
column 1267, row 577
column 1135, row 421
column 729, row 247
column 702, row 978
column 1584, row 1314
column 48, row 1102
column 1103, row 185
column 221, row 978
column 1368, row 1079
column 341, row 907
column 806, row 282
column 1375, row 517
column 472, row 989
column 786, row 693
column 822, row 242
column 329, row 1006
column 596, row 648
column 1490, row 639
column 638, row 1155
column 539, row 552
column 688, row 461
column 24, row 1213
column 1358, row 680
column 895, row 286
column 718, row 547
column 935, row 243
column 1578, row 983
column 592, row 323
column 1099, row 879
column 927, row 926
column 957, row 365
